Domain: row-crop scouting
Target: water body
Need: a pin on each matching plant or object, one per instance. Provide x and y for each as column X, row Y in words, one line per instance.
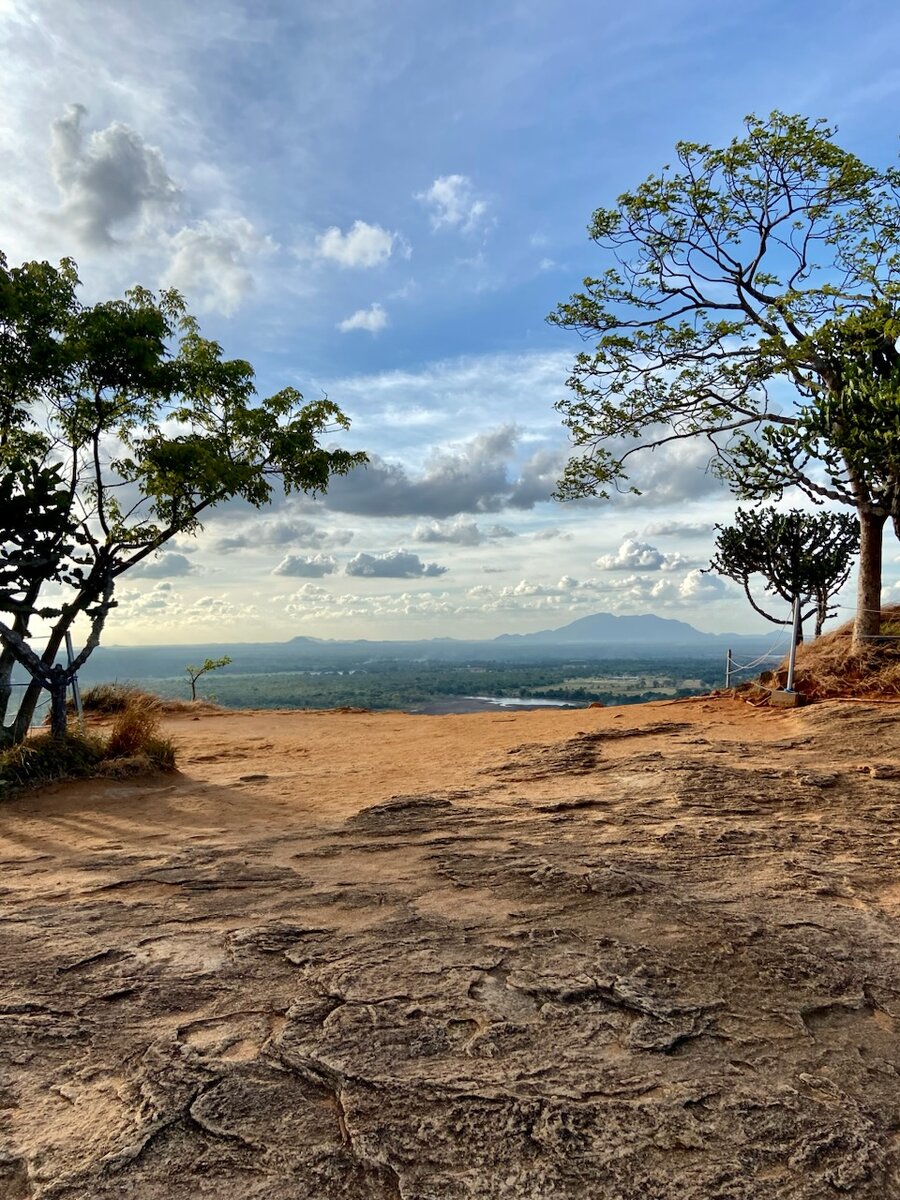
column 473, row 704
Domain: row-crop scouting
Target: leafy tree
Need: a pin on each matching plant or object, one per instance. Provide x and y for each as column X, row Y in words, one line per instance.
column 751, row 300
column 798, row 554
column 209, row 664
column 120, row 426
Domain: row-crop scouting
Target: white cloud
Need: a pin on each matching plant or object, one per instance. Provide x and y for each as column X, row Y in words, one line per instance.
column 166, row 566
column 671, row 475
column 363, row 245
column 373, row 319
column 462, row 531
column 452, row 202
column 164, row 608
column 395, row 564
column 677, row 528
column 639, row 556
column 211, row 261
column 314, row 603
column 305, row 566
column 111, row 183
column 635, row 592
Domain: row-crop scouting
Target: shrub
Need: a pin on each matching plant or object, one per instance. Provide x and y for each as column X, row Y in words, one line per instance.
column 43, row 760
column 135, row 746
column 104, row 699
column 135, row 738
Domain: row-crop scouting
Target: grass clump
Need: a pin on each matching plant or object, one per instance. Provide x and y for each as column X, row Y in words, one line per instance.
column 830, row 668
column 107, row 699
column 44, row 759
column 134, row 746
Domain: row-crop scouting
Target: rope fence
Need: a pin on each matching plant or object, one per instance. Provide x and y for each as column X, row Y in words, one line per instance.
column 733, row 667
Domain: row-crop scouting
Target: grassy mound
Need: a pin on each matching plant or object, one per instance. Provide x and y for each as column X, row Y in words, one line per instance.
column 829, row 667
column 134, row 746
column 107, row 699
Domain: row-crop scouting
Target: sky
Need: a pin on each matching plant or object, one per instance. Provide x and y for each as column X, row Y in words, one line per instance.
column 381, row 201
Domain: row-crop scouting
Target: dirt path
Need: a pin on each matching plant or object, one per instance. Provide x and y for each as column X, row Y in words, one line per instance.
column 641, row 952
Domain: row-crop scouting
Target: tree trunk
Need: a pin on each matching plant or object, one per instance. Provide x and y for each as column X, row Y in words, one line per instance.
column 821, row 614
column 58, row 721
column 868, row 588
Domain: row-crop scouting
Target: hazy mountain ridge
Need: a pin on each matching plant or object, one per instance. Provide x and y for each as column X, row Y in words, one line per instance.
column 636, row 630
column 599, row 637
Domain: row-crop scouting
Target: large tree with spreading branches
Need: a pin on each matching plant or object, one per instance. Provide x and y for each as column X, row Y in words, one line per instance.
column 750, row 299
column 120, row 427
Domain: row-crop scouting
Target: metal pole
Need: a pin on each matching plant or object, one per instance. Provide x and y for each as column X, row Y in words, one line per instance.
column 727, row 669
column 795, row 636
column 76, row 690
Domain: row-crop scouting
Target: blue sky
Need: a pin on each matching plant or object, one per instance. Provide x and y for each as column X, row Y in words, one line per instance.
column 383, row 200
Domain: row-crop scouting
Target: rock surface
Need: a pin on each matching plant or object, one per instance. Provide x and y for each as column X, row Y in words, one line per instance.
column 648, row 953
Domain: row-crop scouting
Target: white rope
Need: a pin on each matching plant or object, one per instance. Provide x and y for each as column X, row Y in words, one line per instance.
column 770, row 653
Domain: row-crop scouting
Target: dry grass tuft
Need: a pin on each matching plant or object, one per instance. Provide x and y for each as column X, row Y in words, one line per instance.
column 106, row 699
column 42, row 760
column 829, row 667
column 135, row 746
column 133, row 727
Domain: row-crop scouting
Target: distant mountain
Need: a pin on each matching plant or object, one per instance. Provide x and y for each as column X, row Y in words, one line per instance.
column 646, row 630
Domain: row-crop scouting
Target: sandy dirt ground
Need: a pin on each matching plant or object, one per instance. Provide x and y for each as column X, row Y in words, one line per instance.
column 648, row 952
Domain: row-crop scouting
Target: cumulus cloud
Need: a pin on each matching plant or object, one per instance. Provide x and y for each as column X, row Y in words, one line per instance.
column 679, row 529
column 313, row 603
column 671, row 475
column 108, row 181
column 211, row 261
column 452, row 202
column 283, row 531
column 639, row 556
column 471, row 477
column 395, row 564
column 702, row 585
column 163, row 606
column 552, row 534
column 373, row 319
column 363, row 245
column 635, row 593
column 303, row 566
column 462, row 531
column 566, row 593
column 166, row 566
column 537, row 478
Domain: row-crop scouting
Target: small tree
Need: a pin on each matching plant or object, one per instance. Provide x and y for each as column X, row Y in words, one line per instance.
column 209, row 664
column 798, row 555
column 120, row 426
column 750, row 299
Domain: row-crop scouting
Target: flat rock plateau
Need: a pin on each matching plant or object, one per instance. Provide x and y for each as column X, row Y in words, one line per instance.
column 648, row 952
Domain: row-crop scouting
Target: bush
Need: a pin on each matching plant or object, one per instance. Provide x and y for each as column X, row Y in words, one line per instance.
column 135, row 746
column 135, row 743
column 105, row 699
column 42, row 760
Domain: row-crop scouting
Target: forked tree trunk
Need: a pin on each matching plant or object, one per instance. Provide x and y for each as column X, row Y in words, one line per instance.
column 868, row 588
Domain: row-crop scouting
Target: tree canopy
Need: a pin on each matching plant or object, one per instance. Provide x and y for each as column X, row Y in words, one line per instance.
column 120, row 426
column 797, row 555
column 750, row 299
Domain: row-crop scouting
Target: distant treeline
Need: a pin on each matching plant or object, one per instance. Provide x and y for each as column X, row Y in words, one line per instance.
column 402, row 686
